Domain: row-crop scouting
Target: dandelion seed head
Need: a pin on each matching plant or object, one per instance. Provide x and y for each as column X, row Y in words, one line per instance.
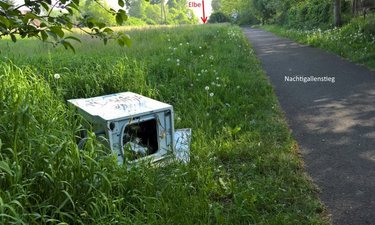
column 211, row 94
column 207, row 88
column 57, row 76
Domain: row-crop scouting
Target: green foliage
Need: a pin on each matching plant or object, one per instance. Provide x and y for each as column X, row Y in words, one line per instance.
column 43, row 22
column 244, row 168
column 243, row 9
column 355, row 40
column 133, row 21
column 218, row 17
column 310, row 14
column 89, row 8
column 264, row 9
column 216, row 5
column 152, row 13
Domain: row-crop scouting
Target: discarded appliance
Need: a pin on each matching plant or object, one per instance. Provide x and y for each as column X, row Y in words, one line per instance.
column 136, row 127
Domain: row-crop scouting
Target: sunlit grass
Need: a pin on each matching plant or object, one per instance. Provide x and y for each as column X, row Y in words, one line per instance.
column 244, row 167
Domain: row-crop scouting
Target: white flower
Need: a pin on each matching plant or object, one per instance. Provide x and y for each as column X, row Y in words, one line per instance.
column 179, row 118
column 180, row 44
column 169, row 39
column 238, row 87
column 199, row 74
column 178, row 60
column 211, row 94
column 187, row 43
column 217, row 78
column 192, row 85
column 212, row 83
column 56, row 76
column 207, row 88
column 178, row 64
column 200, row 47
column 168, row 59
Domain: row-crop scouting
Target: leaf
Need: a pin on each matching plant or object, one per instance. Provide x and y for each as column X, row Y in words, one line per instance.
column 28, row 17
column 69, row 197
column 119, row 19
column 120, row 42
column 73, row 38
column 5, row 21
column 123, row 14
column 13, row 37
column 5, row 168
column 126, row 39
column 44, row 35
column 100, row 25
column 45, row 5
column 121, row 3
column 74, row 6
column 67, row 45
column 4, row 5
column 57, row 30
column 108, row 30
column 52, row 34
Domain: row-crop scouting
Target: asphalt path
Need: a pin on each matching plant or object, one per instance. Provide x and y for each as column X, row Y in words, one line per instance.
column 333, row 122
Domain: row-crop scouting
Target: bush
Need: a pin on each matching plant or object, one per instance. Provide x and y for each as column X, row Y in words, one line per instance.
column 310, row 14
column 133, row 21
column 218, row 17
column 247, row 19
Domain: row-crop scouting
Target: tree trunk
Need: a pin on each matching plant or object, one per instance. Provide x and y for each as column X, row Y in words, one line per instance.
column 337, row 13
column 354, row 7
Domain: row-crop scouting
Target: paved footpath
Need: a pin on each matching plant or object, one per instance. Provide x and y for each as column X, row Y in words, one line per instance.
column 334, row 123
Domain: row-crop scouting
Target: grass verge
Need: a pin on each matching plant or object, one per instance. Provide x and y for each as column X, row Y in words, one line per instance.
column 244, row 166
column 354, row 41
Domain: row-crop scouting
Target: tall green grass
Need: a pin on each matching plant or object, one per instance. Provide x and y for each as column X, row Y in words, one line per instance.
column 244, row 166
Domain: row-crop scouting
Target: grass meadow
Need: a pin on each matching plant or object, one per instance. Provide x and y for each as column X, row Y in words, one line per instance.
column 244, row 167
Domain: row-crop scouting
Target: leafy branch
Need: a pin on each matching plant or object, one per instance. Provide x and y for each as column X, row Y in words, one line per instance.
column 34, row 18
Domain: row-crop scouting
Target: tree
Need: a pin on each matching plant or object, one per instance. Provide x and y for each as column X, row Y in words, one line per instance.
column 135, row 8
column 265, row 9
column 216, row 4
column 38, row 19
column 99, row 11
column 337, row 13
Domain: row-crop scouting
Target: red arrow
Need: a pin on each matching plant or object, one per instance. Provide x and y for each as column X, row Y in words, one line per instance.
column 204, row 18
